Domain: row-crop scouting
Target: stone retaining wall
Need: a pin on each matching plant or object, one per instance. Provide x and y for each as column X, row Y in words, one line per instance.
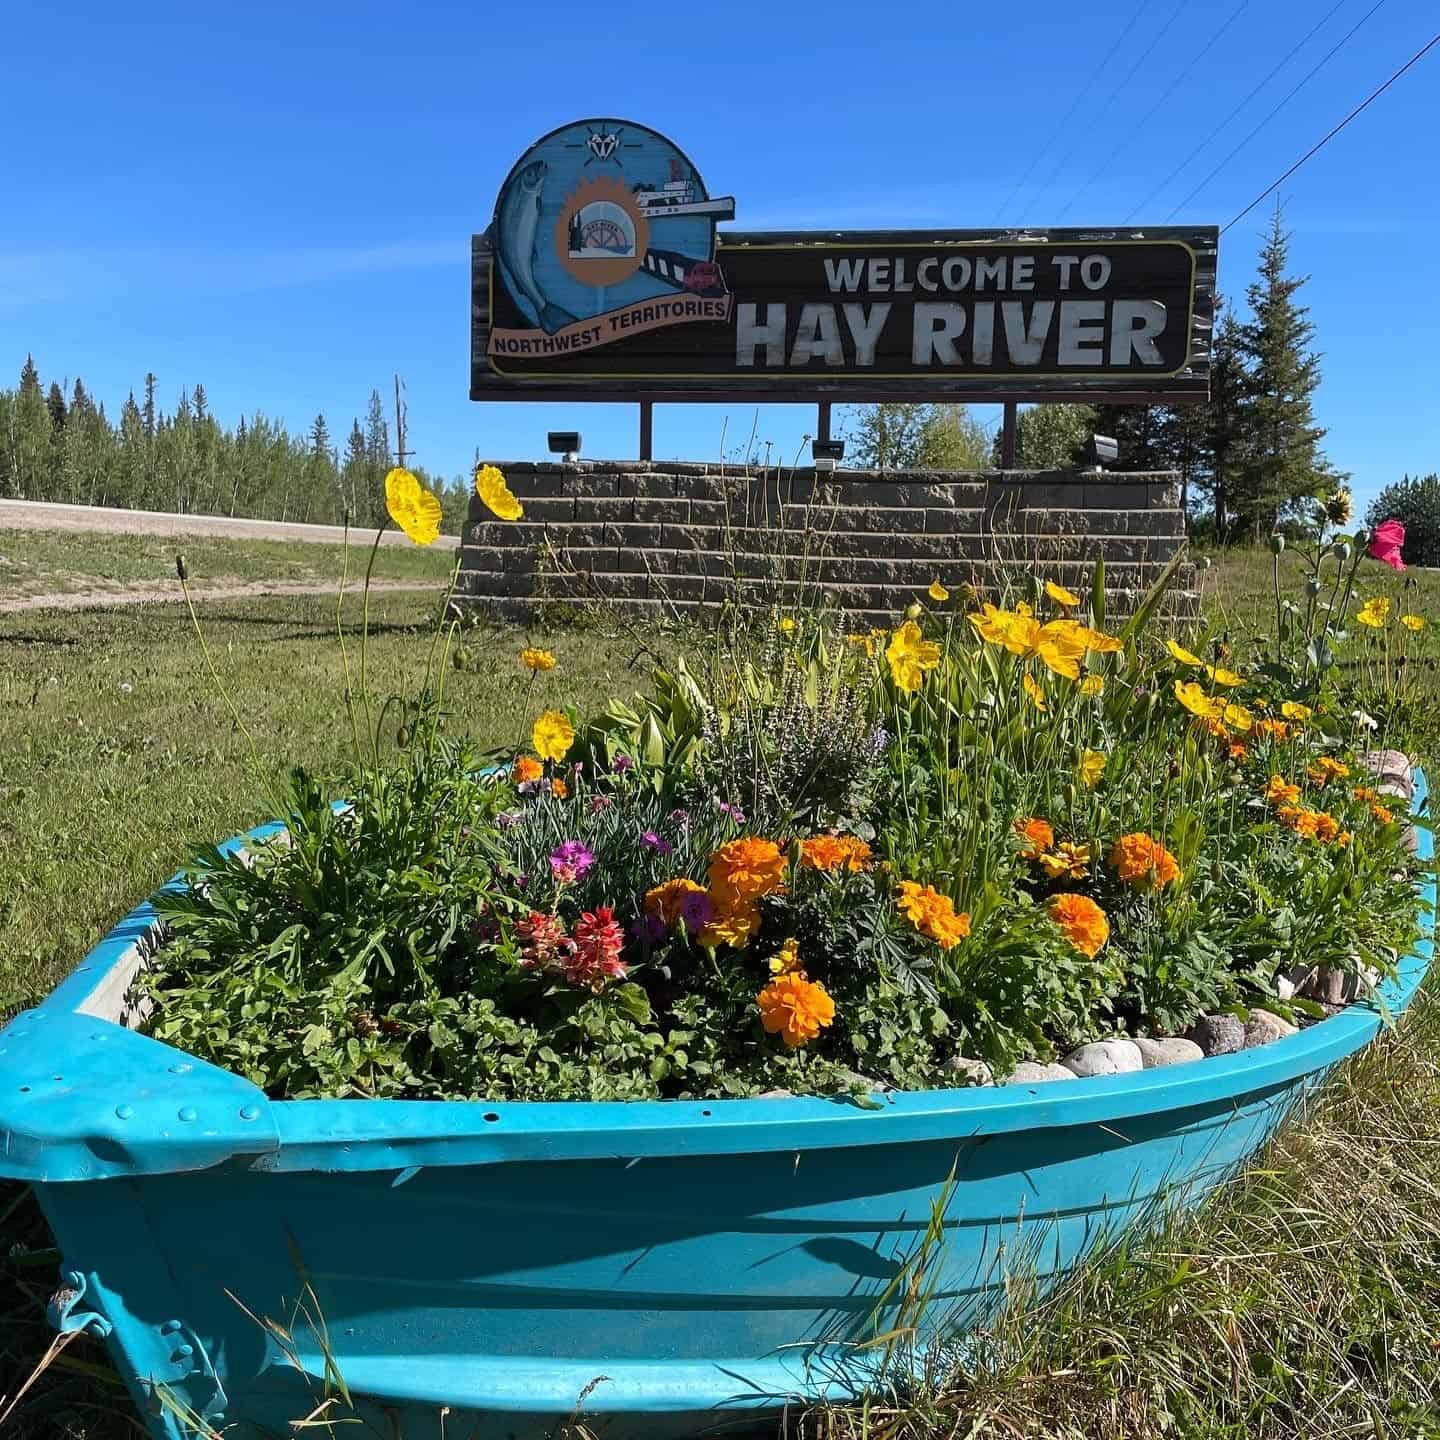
column 669, row 537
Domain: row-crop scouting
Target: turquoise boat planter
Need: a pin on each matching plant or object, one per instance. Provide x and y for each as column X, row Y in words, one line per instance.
column 660, row 1266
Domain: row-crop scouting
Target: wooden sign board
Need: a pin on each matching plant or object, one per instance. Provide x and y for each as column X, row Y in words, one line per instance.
column 604, row 277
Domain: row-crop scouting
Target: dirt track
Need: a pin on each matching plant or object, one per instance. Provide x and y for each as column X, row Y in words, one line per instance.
column 35, row 515
column 153, row 595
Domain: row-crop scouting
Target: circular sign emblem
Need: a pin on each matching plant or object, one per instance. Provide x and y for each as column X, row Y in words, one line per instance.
column 602, row 234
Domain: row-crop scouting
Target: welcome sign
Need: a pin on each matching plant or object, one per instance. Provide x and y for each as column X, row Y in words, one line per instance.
column 604, row 275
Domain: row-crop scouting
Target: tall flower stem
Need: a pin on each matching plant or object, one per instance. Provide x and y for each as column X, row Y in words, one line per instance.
column 344, row 649
column 370, row 729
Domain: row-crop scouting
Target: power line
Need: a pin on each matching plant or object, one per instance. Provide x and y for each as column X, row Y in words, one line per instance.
column 1120, row 88
column 1326, row 139
column 1080, row 95
column 1294, row 50
column 1310, row 74
column 1139, row 127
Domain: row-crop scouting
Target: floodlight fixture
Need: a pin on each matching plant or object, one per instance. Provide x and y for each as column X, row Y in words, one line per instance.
column 565, row 443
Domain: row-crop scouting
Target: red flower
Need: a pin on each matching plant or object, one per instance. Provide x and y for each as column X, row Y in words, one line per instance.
column 598, row 941
column 1386, row 543
column 543, row 942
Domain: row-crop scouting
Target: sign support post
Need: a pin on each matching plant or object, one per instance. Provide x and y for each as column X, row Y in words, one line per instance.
column 1007, row 437
column 647, row 429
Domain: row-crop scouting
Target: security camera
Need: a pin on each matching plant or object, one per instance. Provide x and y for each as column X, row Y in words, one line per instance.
column 826, row 453
column 1102, row 450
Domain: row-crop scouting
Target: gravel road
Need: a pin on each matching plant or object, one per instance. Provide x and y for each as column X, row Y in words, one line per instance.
column 37, row 515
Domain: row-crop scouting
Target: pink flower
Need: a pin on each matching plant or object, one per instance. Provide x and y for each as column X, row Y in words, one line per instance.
column 570, row 861
column 1386, row 544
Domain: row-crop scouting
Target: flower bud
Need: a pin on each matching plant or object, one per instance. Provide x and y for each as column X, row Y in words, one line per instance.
column 912, row 612
column 1343, row 552
column 180, row 569
column 1312, row 588
column 1362, row 537
column 1203, row 563
column 1277, row 544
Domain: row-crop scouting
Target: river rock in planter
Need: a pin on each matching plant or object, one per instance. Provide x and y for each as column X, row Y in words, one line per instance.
column 1263, row 1028
column 1033, row 1072
column 1105, row 1057
column 776, row 1095
column 970, row 1072
column 1172, row 1050
column 1218, row 1034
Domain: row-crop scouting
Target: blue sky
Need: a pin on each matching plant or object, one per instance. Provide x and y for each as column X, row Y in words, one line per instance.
column 277, row 200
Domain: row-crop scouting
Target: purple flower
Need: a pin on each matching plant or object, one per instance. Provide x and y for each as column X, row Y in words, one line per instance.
column 508, row 819
column 600, row 803
column 621, row 764
column 654, row 842
column 649, row 928
column 733, row 811
column 578, row 767
column 680, row 818
column 570, row 861
column 697, row 910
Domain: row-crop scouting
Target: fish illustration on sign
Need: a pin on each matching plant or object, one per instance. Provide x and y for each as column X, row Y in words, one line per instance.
column 517, row 228
column 603, row 231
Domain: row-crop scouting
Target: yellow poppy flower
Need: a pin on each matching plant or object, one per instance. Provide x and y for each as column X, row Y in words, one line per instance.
column 1093, row 685
column 1092, row 767
column 495, row 494
column 1067, row 861
column 1060, row 595
column 937, row 592
column 1196, row 701
column 1294, row 710
column 1223, row 677
column 1375, row 612
column 412, row 507
column 910, row 655
column 1415, row 623
column 1100, row 642
column 1236, row 716
column 553, row 735
column 1184, row 656
column 533, row 659
column 787, row 624
column 1033, row 690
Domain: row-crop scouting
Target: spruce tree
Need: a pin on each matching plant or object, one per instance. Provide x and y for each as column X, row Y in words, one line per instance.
column 55, row 403
column 202, row 403
column 1283, row 458
column 29, row 377
column 148, row 414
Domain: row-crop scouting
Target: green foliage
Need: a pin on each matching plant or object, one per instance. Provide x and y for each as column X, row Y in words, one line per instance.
column 896, row 435
column 189, row 463
column 1415, row 502
column 1050, row 437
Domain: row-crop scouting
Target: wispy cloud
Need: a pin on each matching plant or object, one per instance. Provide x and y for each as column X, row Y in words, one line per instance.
column 49, row 276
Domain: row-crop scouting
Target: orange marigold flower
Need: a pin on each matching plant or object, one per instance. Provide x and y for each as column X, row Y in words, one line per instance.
column 526, row 769
column 1239, row 750
column 743, row 870
column 933, row 914
column 1067, row 861
column 666, row 901
column 1383, row 813
column 1324, row 769
column 795, row 1008
column 1140, row 859
column 1272, row 729
column 835, row 852
column 559, row 789
column 1366, row 793
column 733, row 927
column 1278, row 792
column 1040, row 835
column 1081, row 921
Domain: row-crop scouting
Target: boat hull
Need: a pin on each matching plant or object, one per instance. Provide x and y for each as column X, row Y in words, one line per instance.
column 659, row 1266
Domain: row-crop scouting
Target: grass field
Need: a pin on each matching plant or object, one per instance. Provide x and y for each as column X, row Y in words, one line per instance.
column 53, row 562
column 1303, row 1304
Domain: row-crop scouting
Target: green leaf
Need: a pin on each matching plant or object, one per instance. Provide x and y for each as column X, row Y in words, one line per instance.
column 633, row 1000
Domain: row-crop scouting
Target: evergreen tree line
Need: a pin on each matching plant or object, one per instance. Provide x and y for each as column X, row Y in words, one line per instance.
column 58, row 444
column 1248, row 459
